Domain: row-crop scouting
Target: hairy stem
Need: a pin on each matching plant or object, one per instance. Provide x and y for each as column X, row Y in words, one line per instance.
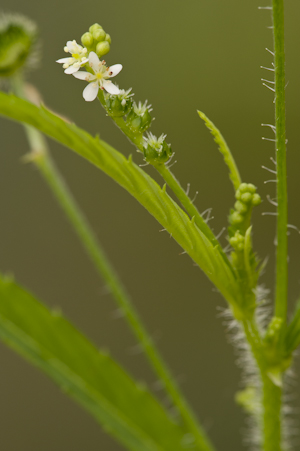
column 40, row 156
column 272, row 427
column 271, row 395
column 282, row 247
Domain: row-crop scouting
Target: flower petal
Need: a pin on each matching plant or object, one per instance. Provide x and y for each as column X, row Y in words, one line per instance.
column 94, row 61
column 71, row 70
column 114, row 70
column 82, row 75
column 110, row 87
column 84, row 61
column 63, row 60
column 90, row 92
column 71, row 46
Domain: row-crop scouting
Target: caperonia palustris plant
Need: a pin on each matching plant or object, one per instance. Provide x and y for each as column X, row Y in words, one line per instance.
column 266, row 342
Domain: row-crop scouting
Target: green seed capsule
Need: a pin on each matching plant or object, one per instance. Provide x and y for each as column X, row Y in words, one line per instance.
column 117, row 105
column 108, row 38
column 102, row 48
column 152, row 155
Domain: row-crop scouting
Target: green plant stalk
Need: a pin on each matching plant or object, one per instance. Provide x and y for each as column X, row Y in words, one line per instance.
column 271, row 396
column 173, row 183
column 40, row 156
column 282, row 245
column 272, row 427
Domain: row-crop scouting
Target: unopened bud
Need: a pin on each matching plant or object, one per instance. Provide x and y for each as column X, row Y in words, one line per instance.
column 87, row 39
column 18, row 37
column 99, row 34
column 102, row 48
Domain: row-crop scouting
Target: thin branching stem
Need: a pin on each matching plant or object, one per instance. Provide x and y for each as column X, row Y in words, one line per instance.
column 282, row 247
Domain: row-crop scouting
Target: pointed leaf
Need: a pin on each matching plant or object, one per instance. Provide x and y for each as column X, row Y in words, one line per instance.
column 225, row 151
column 126, row 410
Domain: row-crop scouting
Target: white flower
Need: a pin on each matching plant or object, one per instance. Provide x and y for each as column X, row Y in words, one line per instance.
column 78, row 58
column 99, row 79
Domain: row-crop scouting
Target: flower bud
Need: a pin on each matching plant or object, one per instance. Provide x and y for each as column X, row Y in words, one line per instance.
column 236, row 218
column 94, row 27
column 102, row 48
column 18, row 37
column 87, row 39
column 96, row 40
column 240, row 207
column 156, row 150
column 246, row 197
column 256, row 199
column 237, row 241
column 99, row 34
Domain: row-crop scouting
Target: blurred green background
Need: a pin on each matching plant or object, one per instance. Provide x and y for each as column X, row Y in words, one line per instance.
column 181, row 56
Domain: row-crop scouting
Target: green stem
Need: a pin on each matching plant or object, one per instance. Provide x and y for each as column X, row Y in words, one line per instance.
column 282, row 245
column 272, row 428
column 40, row 157
column 271, row 419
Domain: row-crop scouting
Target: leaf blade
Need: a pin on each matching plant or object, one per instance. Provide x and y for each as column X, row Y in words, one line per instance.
column 224, row 149
column 92, row 378
column 137, row 182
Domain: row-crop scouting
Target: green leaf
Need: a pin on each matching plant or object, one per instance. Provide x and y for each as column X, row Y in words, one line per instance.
column 137, row 182
column 125, row 409
column 292, row 336
column 225, row 151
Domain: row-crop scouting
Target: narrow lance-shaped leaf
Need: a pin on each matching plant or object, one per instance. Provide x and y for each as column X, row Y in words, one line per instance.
column 292, row 337
column 137, row 182
column 225, row 151
column 125, row 409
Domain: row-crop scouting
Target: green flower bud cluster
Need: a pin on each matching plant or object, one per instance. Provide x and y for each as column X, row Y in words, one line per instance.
column 18, row 36
column 139, row 118
column 242, row 256
column 246, row 199
column 96, row 40
column 273, row 331
column 156, row 150
column 237, row 241
column 119, row 105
